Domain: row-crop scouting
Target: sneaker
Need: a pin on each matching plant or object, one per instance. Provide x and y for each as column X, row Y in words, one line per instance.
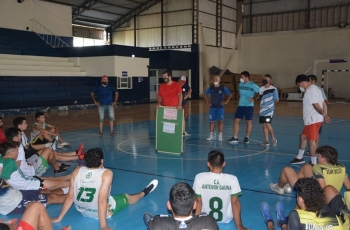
column 265, row 212
column 274, row 142
column 65, row 144
column 79, row 151
column 59, row 171
column 220, row 137
column 100, row 133
column 297, row 161
column 147, row 218
column 64, row 166
column 112, row 133
column 211, row 137
column 287, row 188
column 275, row 188
column 59, row 146
column 281, row 219
column 150, row 187
column 232, row 140
column 186, row 134
column 265, row 143
column 67, row 228
column 246, row 140
column 54, row 145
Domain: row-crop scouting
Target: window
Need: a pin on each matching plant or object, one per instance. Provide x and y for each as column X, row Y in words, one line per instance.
column 124, row 83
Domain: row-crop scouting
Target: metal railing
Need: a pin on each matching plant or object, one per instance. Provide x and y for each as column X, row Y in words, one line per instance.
column 47, row 36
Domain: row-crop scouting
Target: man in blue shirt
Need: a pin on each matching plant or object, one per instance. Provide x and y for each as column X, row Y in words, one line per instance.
column 216, row 112
column 107, row 97
column 248, row 92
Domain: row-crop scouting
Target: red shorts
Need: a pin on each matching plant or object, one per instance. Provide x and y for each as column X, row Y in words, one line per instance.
column 185, row 110
column 22, row 225
column 311, row 131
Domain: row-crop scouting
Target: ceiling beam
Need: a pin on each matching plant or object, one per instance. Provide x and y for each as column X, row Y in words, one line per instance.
column 118, row 6
column 134, row 12
column 87, row 5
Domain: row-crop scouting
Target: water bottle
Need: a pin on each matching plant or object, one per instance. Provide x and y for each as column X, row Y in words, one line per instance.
column 214, row 135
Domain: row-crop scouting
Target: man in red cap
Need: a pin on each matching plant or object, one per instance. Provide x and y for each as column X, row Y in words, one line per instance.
column 107, row 97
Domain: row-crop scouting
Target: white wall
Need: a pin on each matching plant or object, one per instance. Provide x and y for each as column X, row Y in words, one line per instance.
column 112, row 65
column 56, row 18
column 284, row 55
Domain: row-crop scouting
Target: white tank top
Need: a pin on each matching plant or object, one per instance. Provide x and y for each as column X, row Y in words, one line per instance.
column 86, row 190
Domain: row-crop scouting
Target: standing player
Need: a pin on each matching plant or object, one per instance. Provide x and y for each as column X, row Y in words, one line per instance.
column 170, row 92
column 268, row 98
column 186, row 92
column 313, row 116
column 107, row 97
column 216, row 103
column 248, row 92
column 217, row 193
column 90, row 188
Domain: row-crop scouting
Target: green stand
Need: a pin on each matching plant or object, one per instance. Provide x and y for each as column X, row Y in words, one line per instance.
column 169, row 124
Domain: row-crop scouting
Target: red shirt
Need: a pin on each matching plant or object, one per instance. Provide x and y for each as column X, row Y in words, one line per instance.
column 2, row 136
column 170, row 94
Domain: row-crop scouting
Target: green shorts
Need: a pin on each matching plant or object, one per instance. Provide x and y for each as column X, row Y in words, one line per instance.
column 121, row 202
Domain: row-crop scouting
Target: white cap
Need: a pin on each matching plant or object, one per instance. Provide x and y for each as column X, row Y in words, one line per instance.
column 183, row 78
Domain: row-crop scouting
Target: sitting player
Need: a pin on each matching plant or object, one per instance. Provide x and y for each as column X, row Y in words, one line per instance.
column 14, row 176
column 41, row 136
column 205, row 186
column 90, row 188
column 181, row 203
column 327, row 172
column 35, row 217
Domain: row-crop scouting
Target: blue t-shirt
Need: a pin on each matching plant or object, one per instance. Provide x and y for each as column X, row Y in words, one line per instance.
column 185, row 89
column 105, row 95
column 217, row 95
column 247, row 91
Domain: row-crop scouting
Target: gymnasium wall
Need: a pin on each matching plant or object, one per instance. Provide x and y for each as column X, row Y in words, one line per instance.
column 56, row 18
column 284, row 55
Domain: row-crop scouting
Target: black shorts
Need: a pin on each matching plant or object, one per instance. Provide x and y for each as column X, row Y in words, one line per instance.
column 38, row 141
column 334, row 207
column 267, row 119
column 27, row 197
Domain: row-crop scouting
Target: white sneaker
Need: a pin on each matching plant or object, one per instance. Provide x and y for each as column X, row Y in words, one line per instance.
column 287, row 188
column 59, row 146
column 274, row 142
column 210, row 138
column 154, row 183
column 275, row 188
column 265, row 143
column 65, row 143
column 186, row 134
column 220, row 137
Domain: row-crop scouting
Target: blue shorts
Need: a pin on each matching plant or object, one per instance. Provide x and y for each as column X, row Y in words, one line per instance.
column 245, row 111
column 103, row 108
column 27, row 197
column 216, row 114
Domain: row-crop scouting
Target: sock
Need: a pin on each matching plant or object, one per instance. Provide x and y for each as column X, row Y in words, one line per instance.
column 148, row 189
column 247, row 136
column 301, row 153
column 314, row 160
column 65, row 190
column 211, row 134
column 220, row 134
column 48, row 144
column 235, row 137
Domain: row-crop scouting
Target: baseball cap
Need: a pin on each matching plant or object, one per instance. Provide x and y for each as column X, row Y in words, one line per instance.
column 104, row 76
column 183, row 78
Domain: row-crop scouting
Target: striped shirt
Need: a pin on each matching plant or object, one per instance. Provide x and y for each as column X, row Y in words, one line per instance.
column 268, row 97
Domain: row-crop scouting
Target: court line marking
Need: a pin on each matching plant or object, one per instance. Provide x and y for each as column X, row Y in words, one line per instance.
column 190, row 159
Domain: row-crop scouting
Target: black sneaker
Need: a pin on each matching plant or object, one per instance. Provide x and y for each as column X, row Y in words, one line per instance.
column 233, row 140
column 59, row 171
column 246, row 140
column 297, row 161
column 147, row 218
